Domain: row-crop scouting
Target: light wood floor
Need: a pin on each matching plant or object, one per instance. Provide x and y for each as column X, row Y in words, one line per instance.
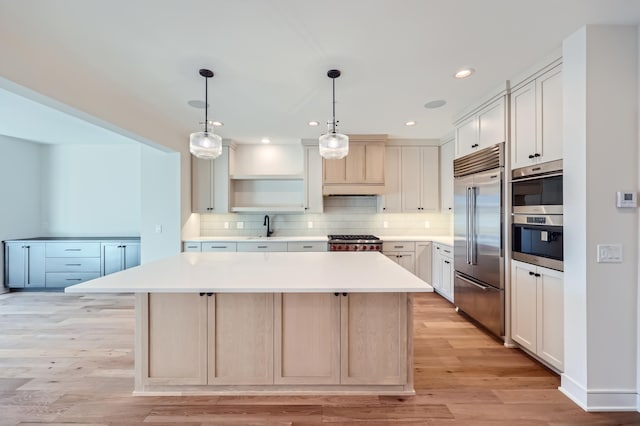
column 68, row 359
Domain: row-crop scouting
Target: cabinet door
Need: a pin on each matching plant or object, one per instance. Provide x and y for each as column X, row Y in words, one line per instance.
column 411, row 174
column 313, row 180
column 423, row 261
column 202, row 184
column 549, row 130
column 131, row 254
column 334, row 171
column 392, row 198
column 176, row 343
column 429, row 179
column 374, row 338
column 407, row 261
column 356, row 163
column 307, row 338
column 374, row 163
column 112, row 258
column 446, row 177
column 524, row 305
column 240, row 339
column 446, row 277
column 467, row 136
column 523, row 125
column 491, row 128
column 436, row 272
column 550, row 314
column 15, row 263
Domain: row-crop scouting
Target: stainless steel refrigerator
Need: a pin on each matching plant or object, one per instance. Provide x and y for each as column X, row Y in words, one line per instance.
column 478, row 238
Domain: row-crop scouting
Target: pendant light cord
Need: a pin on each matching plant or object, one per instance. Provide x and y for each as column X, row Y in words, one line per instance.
column 334, row 105
column 206, row 103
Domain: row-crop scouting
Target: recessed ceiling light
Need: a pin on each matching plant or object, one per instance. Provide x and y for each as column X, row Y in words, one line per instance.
column 464, row 73
column 410, row 123
column 197, row 104
column 265, row 140
column 313, row 123
column 217, row 123
column 435, row 104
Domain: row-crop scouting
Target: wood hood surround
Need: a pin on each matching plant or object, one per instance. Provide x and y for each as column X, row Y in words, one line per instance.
column 361, row 172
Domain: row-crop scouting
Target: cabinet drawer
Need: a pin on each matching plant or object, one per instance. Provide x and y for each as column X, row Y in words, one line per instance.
column 444, row 250
column 213, row 246
column 73, row 249
column 64, row 279
column 72, row 264
column 192, row 246
column 262, row 246
column 307, row 246
column 388, row 246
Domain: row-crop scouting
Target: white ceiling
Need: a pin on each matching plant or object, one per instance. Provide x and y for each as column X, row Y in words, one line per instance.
column 270, row 57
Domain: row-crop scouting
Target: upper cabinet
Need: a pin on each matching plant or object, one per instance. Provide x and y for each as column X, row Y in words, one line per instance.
column 312, row 178
column 446, row 175
column 411, row 179
column 361, row 172
column 536, row 119
column 210, row 182
column 482, row 127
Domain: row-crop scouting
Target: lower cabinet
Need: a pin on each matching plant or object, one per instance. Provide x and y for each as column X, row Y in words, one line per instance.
column 24, row 263
column 424, row 261
column 442, row 270
column 401, row 252
column 118, row 256
column 197, row 339
column 537, row 311
column 276, row 339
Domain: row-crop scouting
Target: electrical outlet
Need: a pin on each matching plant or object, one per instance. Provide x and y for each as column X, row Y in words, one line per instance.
column 427, row 224
column 385, row 224
column 226, row 225
column 158, row 229
column 309, row 224
column 240, row 225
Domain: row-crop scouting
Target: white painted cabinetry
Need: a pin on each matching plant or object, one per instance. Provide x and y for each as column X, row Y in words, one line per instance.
column 442, row 270
column 392, row 198
column 481, row 128
column 536, row 119
column 420, row 179
column 424, row 261
column 447, row 151
column 119, row 255
column 537, row 312
column 210, row 183
column 401, row 252
column 313, row 179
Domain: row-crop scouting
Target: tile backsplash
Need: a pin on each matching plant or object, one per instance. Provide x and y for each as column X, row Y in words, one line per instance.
column 342, row 215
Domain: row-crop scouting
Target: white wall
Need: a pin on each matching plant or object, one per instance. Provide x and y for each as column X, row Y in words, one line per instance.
column 91, row 190
column 600, row 157
column 20, row 177
column 160, row 204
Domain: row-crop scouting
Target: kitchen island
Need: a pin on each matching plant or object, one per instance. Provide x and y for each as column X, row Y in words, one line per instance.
column 270, row 323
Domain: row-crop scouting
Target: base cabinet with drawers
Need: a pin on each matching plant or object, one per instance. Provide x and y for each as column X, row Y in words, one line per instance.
column 298, row 340
column 255, row 246
column 401, row 252
column 58, row 263
column 442, row 270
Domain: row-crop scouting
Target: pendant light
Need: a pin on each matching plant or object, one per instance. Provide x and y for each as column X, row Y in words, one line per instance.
column 333, row 145
column 206, row 144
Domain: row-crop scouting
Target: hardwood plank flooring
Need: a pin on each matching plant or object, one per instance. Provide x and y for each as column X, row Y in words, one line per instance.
column 68, row 359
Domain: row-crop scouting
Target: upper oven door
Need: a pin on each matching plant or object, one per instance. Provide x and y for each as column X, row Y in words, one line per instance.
column 537, row 195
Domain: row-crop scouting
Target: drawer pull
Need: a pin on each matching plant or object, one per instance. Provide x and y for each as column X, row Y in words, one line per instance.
column 72, row 249
column 73, row 279
column 307, row 246
column 398, row 246
column 217, row 247
column 447, row 251
column 192, row 246
column 262, row 246
column 447, row 262
column 73, row 264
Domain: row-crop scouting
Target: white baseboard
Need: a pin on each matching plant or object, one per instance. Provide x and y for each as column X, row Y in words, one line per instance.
column 599, row 399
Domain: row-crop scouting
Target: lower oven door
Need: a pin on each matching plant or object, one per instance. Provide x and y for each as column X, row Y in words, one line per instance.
column 482, row 302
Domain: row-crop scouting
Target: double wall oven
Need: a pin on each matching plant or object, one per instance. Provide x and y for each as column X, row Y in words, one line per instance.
column 537, row 209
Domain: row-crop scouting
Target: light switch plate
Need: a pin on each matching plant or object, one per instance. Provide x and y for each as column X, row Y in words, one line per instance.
column 310, row 224
column 240, row 225
column 609, row 253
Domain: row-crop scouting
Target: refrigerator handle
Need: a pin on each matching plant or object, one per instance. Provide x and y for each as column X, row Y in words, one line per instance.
column 469, row 224
column 472, row 220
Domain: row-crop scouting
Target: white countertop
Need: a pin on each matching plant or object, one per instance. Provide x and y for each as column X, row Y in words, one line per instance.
column 261, row 273
column 442, row 239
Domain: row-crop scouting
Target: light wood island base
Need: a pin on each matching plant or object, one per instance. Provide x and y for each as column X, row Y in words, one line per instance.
column 274, row 343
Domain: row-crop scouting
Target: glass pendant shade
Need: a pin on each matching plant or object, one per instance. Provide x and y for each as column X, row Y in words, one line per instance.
column 334, row 146
column 205, row 145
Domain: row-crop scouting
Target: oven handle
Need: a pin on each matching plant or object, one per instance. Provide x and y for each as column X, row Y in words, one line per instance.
column 536, row 177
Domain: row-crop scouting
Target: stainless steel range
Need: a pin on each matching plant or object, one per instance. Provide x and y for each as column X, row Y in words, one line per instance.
column 354, row 243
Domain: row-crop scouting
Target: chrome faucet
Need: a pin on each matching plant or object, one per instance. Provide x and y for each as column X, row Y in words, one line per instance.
column 267, row 223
